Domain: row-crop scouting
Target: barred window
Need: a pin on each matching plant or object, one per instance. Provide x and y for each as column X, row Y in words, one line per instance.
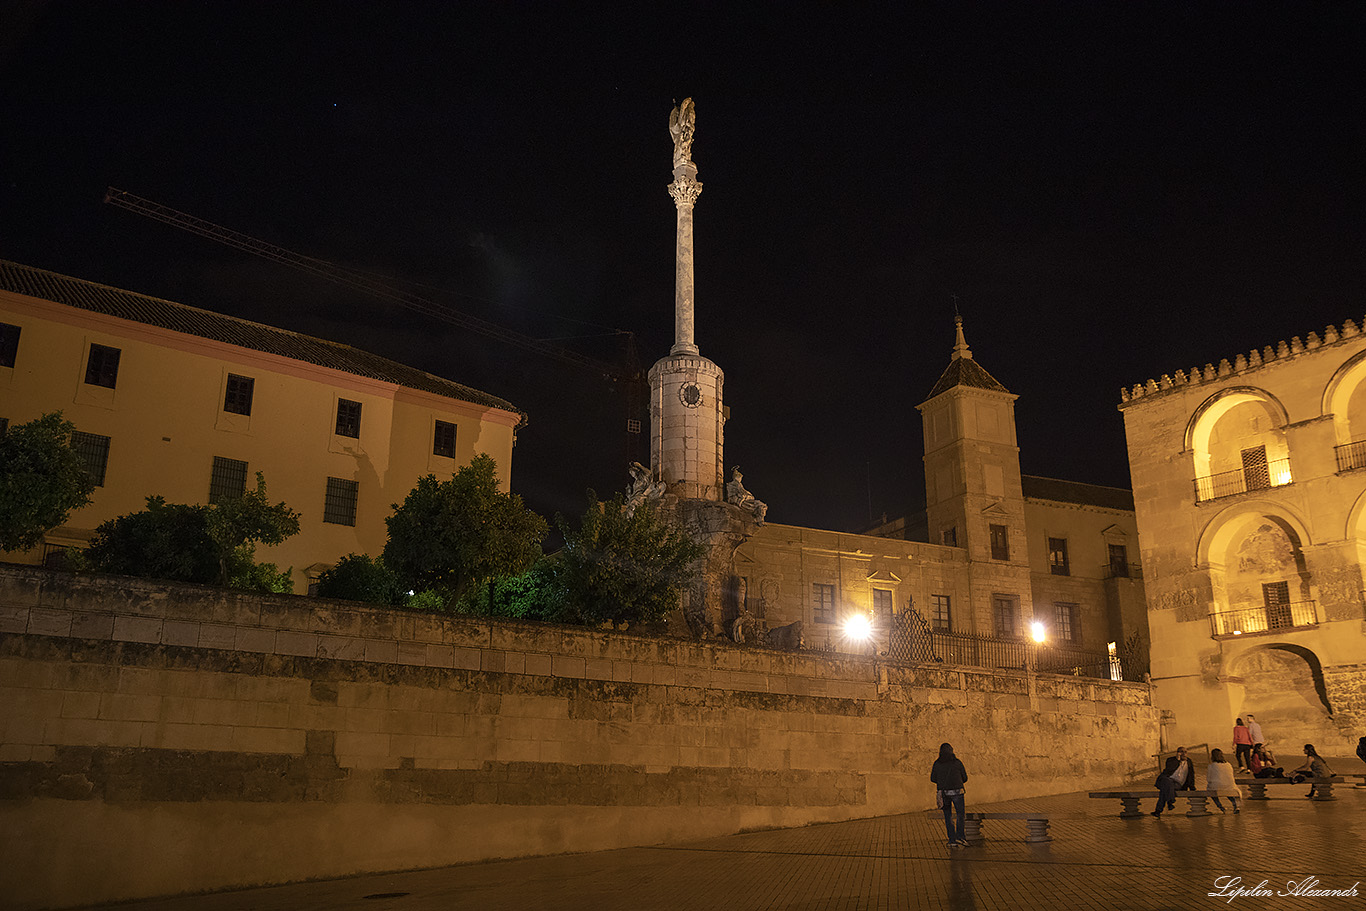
column 9, row 344
column 1057, row 557
column 348, row 418
column 229, row 479
column 94, row 451
column 238, row 397
column 1065, row 623
column 939, row 612
column 443, row 439
column 102, row 368
column 339, row 507
column 824, row 602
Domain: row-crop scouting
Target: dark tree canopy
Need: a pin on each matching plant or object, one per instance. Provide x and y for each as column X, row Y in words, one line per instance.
column 210, row 545
column 358, row 577
column 448, row 536
column 622, row 568
column 41, row 480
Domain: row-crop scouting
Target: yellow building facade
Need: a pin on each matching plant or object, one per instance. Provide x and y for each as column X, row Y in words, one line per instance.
column 188, row 404
column 1250, row 488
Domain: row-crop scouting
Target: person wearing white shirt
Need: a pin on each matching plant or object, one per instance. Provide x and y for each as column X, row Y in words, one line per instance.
column 1254, row 729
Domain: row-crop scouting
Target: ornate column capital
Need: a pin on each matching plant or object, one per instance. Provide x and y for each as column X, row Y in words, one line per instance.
column 685, row 189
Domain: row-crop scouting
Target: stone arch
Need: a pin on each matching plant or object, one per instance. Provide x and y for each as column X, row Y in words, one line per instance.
column 1260, row 582
column 1283, row 684
column 1230, row 423
column 1345, row 399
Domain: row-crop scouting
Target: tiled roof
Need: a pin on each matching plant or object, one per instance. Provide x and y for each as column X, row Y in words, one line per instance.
column 153, row 311
column 1077, row 492
column 964, row 371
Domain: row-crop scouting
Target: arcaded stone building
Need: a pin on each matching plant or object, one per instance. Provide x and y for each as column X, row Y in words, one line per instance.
column 1251, row 503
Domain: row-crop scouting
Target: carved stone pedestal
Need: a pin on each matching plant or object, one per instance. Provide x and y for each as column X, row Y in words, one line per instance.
column 721, row 528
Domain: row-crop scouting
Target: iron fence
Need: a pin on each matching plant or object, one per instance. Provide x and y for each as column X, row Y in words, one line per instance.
column 913, row 641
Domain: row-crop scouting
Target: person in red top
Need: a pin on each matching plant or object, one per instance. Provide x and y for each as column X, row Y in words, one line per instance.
column 1242, row 744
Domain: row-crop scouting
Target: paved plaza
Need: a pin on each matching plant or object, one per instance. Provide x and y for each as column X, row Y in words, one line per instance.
column 1095, row 861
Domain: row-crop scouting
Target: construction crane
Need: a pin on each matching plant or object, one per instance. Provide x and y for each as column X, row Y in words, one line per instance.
column 628, row 374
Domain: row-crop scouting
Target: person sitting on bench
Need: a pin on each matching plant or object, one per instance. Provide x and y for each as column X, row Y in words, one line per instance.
column 1263, row 763
column 1314, row 767
column 1177, row 775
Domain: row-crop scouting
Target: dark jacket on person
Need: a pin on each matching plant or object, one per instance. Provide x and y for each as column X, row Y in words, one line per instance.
column 1170, row 768
column 1361, row 749
column 948, row 774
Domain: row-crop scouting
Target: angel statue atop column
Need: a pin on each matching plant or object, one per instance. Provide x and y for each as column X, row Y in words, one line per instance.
column 681, row 127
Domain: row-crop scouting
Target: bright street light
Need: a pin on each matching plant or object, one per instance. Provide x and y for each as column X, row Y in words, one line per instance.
column 1039, row 634
column 858, row 628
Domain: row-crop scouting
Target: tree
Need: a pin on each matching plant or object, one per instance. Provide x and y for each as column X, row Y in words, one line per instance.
column 238, row 524
column 164, row 541
column 42, row 480
column 358, row 577
column 204, row 544
column 622, row 568
column 448, row 536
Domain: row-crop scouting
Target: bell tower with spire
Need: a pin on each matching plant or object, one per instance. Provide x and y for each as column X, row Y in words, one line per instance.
column 973, row 496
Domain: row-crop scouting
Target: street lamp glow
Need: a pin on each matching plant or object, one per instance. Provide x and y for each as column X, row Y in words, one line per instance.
column 858, row 627
column 1038, row 631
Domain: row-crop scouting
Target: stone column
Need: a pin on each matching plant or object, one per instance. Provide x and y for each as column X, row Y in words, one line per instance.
column 685, row 190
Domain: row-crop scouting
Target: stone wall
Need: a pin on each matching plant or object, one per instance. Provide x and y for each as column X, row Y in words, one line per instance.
column 159, row 739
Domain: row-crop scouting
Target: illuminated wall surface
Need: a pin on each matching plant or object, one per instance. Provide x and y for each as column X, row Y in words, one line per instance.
column 162, row 738
column 165, row 411
column 1251, row 506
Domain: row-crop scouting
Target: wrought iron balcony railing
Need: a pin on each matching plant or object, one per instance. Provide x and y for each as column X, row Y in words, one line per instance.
column 1264, row 618
column 1116, row 570
column 1241, row 480
column 1351, row 455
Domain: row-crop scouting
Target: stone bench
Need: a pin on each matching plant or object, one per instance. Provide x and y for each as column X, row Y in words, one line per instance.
column 1129, row 801
column 1323, row 787
column 1036, row 826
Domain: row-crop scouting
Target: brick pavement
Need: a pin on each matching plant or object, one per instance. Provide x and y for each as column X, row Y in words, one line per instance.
column 1096, row 861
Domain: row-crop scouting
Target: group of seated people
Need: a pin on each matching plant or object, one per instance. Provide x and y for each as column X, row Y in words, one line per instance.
column 1263, row 765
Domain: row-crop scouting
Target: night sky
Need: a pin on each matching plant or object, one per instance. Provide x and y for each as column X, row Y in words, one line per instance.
column 1111, row 191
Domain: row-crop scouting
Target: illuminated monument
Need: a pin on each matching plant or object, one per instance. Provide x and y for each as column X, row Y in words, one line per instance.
column 687, row 419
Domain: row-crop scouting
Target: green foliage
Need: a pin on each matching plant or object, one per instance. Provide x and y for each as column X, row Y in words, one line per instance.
column 453, row 536
column 536, row 594
column 621, row 569
column 165, row 541
column 237, row 524
column 358, row 577
column 41, row 480
column 246, row 574
column 204, row 544
column 429, row 601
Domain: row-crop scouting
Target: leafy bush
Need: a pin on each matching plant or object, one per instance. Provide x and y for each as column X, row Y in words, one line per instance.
column 358, row 577
column 454, row 536
column 42, row 480
column 618, row 568
column 204, row 544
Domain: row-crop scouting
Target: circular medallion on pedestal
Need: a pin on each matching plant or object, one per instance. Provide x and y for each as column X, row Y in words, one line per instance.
column 690, row 394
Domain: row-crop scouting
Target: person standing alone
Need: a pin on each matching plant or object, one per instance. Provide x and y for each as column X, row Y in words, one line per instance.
column 949, row 775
